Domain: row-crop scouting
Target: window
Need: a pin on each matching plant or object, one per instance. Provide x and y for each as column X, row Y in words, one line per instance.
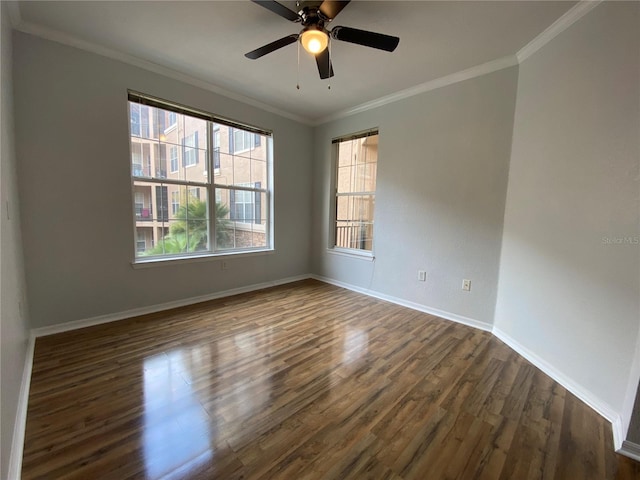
column 210, row 201
column 190, row 145
column 173, row 155
column 242, row 141
column 136, row 163
column 175, row 202
column 356, row 166
column 172, row 119
column 141, row 241
column 245, row 204
column 216, row 147
column 139, row 203
column 134, row 114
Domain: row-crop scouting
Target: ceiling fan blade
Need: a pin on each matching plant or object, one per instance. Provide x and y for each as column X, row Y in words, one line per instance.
column 278, row 9
column 366, row 38
column 325, row 69
column 331, row 8
column 271, row 47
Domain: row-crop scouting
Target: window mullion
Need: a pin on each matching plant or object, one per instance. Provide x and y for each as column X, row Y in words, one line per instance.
column 211, row 193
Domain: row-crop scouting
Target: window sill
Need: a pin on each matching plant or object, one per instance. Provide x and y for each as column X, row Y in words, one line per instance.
column 178, row 260
column 361, row 255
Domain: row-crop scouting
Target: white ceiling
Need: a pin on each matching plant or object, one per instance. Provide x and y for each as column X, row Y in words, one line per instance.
column 207, row 40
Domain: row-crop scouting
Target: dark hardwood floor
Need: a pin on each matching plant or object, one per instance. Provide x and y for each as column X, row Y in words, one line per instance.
column 305, row 380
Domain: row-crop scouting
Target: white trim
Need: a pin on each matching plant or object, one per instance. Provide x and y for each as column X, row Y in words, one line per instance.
column 114, row 317
column 17, row 442
column 476, row 71
column 571, row 16
column 632, row 389
column 352, row 253
column 597, row 404
column 406, row 303
column 618, row 432
column 630, row 449
column 148, row 262
column 565, row 21
column 66, row 39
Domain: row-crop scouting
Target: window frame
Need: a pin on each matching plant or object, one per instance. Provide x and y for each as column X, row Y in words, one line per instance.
column 209, row 184
column 332, row 246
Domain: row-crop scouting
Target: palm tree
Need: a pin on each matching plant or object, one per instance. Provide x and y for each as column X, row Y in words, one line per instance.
column 190, row 232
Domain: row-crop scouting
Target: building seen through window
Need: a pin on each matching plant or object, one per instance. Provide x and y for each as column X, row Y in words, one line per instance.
column 199, row 185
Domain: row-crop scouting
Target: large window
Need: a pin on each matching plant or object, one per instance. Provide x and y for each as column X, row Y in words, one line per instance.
column 215, row 198
column 356, row 165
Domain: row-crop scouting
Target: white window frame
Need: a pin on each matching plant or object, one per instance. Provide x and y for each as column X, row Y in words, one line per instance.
column 332, row 246
column 209, row 184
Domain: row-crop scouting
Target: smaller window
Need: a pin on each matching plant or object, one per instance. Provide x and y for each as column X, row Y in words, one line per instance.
column 136, row 160
column 172, row 119
column 173, row 155
column 245, row 204
column 135, row 120
column 356, row 166
column 175, row 202
column 216, row 147
column 190, row 144
column 139, row 204
column 242, row 141
column 194, row 193
column 141, row 241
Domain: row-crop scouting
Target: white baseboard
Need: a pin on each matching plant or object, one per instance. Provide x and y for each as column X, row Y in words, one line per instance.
column 630, row 449
column 17, row 441
column 597, row 404
column 113, row 317
column 406, row 303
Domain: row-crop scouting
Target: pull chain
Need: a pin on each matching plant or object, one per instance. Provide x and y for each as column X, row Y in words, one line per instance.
column 298, row 45
column 330, row 63
column 298, row 77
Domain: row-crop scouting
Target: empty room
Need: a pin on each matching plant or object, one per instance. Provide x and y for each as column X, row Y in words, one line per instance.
column 320, row 239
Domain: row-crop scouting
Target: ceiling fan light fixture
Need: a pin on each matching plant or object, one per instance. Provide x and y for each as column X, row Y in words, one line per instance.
column 314, row 40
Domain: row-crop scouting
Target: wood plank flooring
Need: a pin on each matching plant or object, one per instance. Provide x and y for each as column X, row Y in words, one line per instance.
column 303, row 381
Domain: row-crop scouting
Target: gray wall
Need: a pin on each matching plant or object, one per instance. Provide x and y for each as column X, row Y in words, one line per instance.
column 564, row 292
column 634, row 427
column 74, row 179
column 13, row 313
column 441, row 185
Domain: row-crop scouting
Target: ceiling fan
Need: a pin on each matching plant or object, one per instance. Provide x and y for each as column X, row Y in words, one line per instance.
column 314, row 36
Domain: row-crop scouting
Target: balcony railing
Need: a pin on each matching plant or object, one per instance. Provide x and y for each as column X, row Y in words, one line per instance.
column 355, row 236
column 144, row 214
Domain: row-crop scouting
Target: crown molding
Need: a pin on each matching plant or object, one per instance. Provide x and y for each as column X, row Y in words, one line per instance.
column 571, row 16
column 69, row 40
column 476, row 71
column 565, row 21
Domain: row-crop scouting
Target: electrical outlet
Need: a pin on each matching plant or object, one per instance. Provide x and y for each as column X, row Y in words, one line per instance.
column 223, row 265
column 466, row 285
column 422, row 276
